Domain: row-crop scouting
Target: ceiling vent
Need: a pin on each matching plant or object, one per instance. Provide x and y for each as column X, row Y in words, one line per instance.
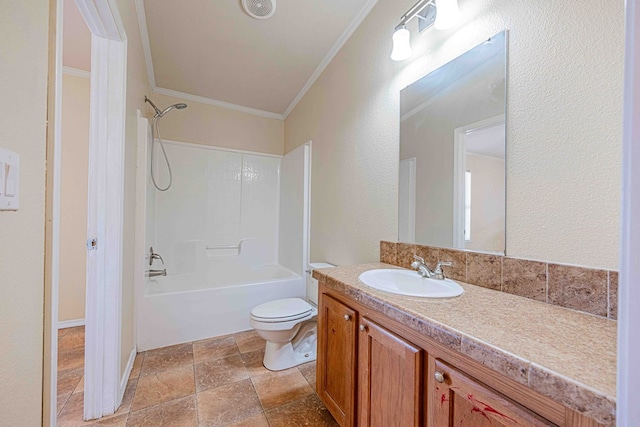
column 259, row 9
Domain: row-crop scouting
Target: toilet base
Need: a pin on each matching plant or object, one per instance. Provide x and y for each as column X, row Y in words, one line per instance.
column 302, row 349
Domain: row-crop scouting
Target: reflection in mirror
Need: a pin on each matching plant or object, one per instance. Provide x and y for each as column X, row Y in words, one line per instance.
column 452, row 153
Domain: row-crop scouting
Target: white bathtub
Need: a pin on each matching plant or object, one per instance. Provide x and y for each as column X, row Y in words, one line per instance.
column 187, row 307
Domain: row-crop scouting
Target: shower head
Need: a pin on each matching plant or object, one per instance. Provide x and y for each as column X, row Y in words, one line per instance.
column 159, row 113
column 171, row 107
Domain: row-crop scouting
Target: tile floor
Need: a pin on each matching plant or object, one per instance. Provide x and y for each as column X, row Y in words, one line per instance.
column 214, row 382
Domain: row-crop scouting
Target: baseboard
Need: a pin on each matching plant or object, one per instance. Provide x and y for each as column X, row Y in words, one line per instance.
column 70, row 323
column 125, row 376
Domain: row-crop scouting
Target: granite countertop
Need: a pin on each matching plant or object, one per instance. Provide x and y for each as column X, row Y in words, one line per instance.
column 566, row 355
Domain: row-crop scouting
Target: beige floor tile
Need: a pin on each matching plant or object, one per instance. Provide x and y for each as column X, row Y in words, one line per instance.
column 256, row 421
column 127, row 399
column 61, row 401
column 277, row 388
column 177, row 413
column 62, row 332
column 214, row 348
column 71, row 359
column 72, row 413
column 253, row 363
column 249, row 341
column 69, row 379
column 308, row 371
column 137, row 365
column 228, row 404
column 167, row 358
column 74, row 338
column 112, row 421
column 308, row 412
column 80, row 387
column 219, row 372
column 163, row 386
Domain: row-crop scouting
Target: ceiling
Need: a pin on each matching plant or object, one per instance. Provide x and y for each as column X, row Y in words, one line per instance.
column 211, row 51
column 488, row 141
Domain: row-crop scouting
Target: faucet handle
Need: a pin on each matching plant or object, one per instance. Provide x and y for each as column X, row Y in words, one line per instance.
column 439, row 274
column 418, row 261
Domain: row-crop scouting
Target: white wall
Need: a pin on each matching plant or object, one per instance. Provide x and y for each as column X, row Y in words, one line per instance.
column 73, row 197
column 24, row 31
column 217, row 198
column 564, row 107
column 487, row 203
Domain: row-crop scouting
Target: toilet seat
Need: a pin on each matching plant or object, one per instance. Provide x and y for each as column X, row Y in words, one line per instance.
column 282, row 310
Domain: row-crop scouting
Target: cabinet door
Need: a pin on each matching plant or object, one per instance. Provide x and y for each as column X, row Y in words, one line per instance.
column 458, row 400
column 389, row 378
column 336, row 362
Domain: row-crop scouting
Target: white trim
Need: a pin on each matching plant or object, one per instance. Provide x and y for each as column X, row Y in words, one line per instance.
column 146, row 45
column 411, row 236
column 217, row 103
column 140, row 249
column 628, row 385
column 127, row 374
column 214, row 147
column 331, row 54
column 64, row 324
column 105, row 207
column 76, row 72
column 55, row 217
column 306, row 211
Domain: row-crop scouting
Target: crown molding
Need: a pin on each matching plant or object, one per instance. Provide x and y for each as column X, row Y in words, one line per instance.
column 331, row 54
column 70, row 71
column 217, row 103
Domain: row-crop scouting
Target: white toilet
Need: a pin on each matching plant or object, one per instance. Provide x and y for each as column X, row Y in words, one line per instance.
column 289, row 327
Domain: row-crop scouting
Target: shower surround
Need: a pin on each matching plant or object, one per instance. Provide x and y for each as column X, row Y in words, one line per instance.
column 217, row 230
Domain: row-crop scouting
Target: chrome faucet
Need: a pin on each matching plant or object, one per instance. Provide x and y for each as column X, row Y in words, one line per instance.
column 437, row 273
column 156, row 273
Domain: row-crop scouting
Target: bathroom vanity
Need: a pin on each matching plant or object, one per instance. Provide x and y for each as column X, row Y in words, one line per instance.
column 482, row 359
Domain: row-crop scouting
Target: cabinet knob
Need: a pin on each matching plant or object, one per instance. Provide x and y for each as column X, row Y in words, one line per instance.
column 363, row 328
column 439, row 377
column 347, row 317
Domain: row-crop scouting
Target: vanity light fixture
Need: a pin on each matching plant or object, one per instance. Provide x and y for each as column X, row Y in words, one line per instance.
column 442, row 14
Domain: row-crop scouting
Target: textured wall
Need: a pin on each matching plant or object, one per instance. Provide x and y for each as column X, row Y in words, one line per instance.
column 564, row 128
column 23, row 86
column 73, row 197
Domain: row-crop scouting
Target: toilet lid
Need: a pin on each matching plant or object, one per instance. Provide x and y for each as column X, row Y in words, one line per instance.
column 281, row 310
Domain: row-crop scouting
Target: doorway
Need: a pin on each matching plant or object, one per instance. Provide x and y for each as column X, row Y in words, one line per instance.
column 103, row 388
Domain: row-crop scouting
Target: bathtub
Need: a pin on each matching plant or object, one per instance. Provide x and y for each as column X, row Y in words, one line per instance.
column 187, row 307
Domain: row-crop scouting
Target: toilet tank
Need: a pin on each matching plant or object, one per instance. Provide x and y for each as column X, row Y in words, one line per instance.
column 312, row 284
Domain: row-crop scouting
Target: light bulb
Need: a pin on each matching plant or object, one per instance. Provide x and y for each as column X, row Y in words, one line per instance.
column 447, row 14
column 401, row 44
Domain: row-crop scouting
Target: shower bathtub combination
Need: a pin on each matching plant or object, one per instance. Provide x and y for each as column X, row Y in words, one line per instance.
column 224, row 234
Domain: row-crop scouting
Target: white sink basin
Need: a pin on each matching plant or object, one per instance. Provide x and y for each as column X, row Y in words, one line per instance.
column 406, row 282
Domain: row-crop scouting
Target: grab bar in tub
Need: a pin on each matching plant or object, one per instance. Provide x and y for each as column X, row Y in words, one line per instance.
column 224, row 247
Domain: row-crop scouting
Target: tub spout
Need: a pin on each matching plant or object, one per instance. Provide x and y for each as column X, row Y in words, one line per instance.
column 155, row 273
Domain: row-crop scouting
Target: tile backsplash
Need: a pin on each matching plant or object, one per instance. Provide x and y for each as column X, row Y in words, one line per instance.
column 584, row 289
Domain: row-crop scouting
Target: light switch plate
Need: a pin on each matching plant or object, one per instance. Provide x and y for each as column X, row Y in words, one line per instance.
column 9, row 180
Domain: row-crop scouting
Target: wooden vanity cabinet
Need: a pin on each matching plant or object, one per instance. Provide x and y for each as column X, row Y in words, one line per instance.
column 389, row 378
column 373, row 371
column 337, row 358
column 458, row 400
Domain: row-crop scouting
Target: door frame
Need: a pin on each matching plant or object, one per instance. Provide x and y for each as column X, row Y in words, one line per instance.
column 411, row 209
column 103, row 309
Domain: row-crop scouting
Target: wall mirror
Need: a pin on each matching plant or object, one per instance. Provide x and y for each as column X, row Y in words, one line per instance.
column 452, row 153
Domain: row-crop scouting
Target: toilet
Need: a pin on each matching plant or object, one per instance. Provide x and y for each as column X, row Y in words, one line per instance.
column 289, row 327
